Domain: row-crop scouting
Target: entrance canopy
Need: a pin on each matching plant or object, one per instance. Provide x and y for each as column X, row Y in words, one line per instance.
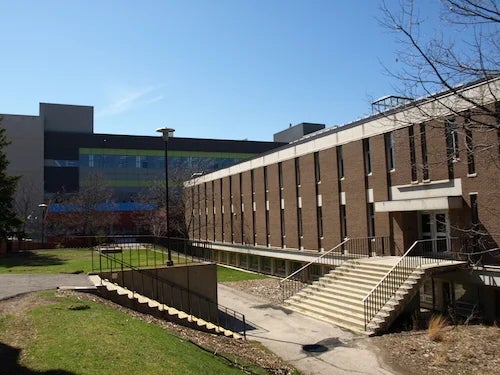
column 421, row 204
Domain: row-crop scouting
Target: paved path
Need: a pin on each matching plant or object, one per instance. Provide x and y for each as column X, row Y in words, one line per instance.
column 14, row 284
column 285, row 332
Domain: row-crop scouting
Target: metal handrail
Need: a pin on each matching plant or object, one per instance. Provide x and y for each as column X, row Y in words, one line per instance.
column 315, row 260
column 171, row 284
column 406, row 267
column 392, row 269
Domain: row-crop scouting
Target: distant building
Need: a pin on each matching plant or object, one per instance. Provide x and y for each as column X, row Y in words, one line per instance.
column 58, row 151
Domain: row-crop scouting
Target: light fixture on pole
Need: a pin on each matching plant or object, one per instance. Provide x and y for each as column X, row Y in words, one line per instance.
column 166, row 135
column 43, row 206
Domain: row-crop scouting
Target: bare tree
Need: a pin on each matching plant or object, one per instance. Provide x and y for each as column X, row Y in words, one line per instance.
column 88, row 211
column 464, row 49
column 458, row 52
column 154, row 219
column 26, row 206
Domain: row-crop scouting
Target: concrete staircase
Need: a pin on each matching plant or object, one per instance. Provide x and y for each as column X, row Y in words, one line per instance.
column 337, row 297
column 143, row 304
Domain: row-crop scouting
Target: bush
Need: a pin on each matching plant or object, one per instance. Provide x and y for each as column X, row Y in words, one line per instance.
column 436, row 325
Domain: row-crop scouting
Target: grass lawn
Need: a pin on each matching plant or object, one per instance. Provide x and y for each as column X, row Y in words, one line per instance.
column 84, row 337
column 80, row 260
column 71, row 260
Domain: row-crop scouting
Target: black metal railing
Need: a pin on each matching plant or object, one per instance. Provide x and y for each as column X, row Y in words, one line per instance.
column 350, row 248
column 420, row 253
column 147, row 282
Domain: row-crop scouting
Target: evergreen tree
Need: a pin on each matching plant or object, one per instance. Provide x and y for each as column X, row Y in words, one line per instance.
column 8, row 218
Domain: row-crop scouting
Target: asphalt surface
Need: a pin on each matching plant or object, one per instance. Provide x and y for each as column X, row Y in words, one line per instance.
column 290, row 335
column 14, row 284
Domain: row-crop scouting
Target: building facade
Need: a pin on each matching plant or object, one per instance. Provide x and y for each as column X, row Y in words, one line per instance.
column 427, row 170
column 57, row 152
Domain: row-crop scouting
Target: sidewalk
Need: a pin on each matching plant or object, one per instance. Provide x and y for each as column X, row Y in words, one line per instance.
column 285, row 332
column 14, row 284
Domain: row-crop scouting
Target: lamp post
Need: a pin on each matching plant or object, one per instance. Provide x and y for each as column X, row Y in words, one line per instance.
column 43, row 206
column 166, row 135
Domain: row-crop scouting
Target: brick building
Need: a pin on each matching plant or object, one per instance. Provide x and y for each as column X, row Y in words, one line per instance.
column 426, row 170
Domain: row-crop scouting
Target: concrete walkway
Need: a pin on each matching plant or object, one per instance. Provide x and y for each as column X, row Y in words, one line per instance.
column 14, row 284
column 285, row 332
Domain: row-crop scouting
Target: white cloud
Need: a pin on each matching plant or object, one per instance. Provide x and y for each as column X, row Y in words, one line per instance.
column 128, row 100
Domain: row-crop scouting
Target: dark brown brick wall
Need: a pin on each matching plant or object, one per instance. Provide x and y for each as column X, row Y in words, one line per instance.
column 274, row 205
column 289, row 194
column 308, row 194
column 247, row 202
column 210, row 207
column 236, row 206
column 260, row 213
column 226, row 202
column 355, row 190
column 330, row 198
column 403, row 225
column 218, row 217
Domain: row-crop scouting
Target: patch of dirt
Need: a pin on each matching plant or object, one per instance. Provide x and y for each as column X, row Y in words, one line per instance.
column 268, row 289
column 472, row 349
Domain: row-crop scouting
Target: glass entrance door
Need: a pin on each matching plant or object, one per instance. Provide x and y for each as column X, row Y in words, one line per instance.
column 434, row 226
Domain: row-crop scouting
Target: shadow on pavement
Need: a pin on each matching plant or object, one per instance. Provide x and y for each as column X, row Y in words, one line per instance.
column 233, row 323
column 9, row 359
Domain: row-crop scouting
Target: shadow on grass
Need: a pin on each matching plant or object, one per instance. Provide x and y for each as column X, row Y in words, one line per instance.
column 31, row 259
column 9, row 358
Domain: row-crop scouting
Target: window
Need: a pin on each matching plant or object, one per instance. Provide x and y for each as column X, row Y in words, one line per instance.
column 214, row 210
column 280, row 175
column 242, row 210
column 343, row 222
column 319, row 213
column 389, row 150
column 452, row 139
column 317, row 171
column 91, row 160
column 265, row 179
column 253, row 205
column 367, row 156
column 423, row 148
column 413, row 156
column 469, row 144
column 297, row 172
column 299, row 223
column 452, row 154
column 340, row 162
column 371, row 219
column 206, row 210
column 474, row 210
column 282, row 220
column 268, row 234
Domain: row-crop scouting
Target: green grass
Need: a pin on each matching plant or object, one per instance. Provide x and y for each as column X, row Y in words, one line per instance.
column 80, row 260
column 85, row 337
column 71, row 260
column 229, row 274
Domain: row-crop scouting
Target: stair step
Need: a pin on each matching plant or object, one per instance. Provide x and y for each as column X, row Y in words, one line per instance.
column 337, row 297
column 112, row 287
column 329, row 282
column 337, row 319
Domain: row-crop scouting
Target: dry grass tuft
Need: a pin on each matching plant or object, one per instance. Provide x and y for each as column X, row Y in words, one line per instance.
column 437, row 323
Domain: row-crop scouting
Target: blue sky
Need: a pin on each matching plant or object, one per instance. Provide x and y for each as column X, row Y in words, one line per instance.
column 213, row 69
